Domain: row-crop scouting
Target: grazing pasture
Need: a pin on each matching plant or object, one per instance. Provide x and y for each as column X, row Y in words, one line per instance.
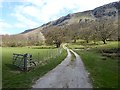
column 101, row 61
column 15, row 78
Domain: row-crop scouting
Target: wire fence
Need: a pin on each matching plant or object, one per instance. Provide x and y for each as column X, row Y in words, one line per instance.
column 46, row 55
column 38, row 56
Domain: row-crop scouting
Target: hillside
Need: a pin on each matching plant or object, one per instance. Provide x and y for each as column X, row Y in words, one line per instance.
column 109, row 11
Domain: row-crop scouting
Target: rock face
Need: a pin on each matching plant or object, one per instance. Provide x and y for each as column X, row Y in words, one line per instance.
column 108, row 10
column 62, row 19
column 111, row 10
column 26, row 31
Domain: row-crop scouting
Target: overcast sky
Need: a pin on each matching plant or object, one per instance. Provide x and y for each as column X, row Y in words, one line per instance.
column 19, row 15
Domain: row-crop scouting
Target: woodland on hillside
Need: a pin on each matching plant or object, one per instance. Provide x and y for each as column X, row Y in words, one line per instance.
column 99, row 24
column 88, row 30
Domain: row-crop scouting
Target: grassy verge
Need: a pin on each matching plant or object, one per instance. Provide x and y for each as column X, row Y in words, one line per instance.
column 103, row 69
column 73, row 57
column 12, row 78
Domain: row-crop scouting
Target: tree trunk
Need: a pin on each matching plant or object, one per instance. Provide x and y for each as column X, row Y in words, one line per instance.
column 87, row 41
column 104, row 41
column 94, row 41
column 74, row 41
column 118, row 38
column 58, row 44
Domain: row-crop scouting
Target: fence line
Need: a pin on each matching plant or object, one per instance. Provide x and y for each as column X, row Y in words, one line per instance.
column 49, row 54
column 24, row 61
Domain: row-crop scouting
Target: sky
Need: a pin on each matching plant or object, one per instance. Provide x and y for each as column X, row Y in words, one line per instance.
column 17, row 16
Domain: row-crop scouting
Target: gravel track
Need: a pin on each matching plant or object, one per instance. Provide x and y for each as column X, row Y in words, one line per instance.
column 69, row 74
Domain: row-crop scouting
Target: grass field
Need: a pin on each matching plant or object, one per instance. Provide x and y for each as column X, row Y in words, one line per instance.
column 13, row 78
column 103, row 69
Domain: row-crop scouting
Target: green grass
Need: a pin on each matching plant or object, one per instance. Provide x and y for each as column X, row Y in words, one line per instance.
column 43, row 47
column 103, row 70
column 73, row 57
column 75, row 46
column 104, row 73
column 13, row 78
column 82, row 45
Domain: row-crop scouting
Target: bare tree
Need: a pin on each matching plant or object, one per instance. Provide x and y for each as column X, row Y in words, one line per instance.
column 55, row 35
column 104, row 28
column 86, row 31
column 74, row 31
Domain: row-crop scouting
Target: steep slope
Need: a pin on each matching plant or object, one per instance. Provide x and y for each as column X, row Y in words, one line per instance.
column 108, row 11
column 34, row 32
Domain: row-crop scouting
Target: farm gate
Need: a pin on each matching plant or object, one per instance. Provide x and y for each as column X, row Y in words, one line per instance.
column 23, row 61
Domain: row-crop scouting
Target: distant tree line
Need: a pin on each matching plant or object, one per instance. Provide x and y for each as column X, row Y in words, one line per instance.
column 21, row 40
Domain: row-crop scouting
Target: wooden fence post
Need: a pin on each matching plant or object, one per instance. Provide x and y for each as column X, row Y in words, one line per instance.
column 25, row 62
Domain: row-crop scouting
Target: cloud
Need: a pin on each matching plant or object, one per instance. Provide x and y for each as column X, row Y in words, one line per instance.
column 36, row 2
column 24, row 21
column 47, row 10
column 4, row 26
column 7, row 28
column 12, row 0
column 33, row 13
column 20, row 25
